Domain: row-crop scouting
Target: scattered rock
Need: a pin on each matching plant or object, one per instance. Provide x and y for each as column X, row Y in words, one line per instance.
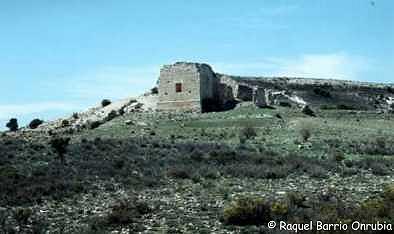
column 141, row 124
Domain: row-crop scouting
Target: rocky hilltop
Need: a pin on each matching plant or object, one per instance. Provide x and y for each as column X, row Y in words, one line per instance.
column 326, row 93
column 196, row 87
column 228, row 92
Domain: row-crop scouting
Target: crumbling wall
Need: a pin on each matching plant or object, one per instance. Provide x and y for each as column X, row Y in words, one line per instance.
column 204, row 90
column 259, row 97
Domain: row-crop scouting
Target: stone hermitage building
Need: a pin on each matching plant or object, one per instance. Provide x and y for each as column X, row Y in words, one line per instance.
column 186, row 86
column 195, row 87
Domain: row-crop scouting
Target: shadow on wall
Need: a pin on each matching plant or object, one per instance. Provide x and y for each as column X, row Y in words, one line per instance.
column 224, row 100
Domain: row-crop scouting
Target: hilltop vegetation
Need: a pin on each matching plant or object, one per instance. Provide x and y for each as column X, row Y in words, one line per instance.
column 199, row 173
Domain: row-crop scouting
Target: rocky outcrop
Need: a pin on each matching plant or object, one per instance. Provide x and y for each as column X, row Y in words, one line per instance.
column 96, row 116
column 322, row 93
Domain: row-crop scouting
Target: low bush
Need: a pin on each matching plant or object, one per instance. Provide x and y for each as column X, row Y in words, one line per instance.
column 247, row 211
column 179, row 173
column 111, row 115
column 285, row 104
column 305, row 133
column 326, row 206
column 248, row 133
column 22, row 215
column 322, row 92
column 65, row 123
column 345, row 107
column 154, row 90
column 94, row 124
column 377, row 165
column 308, row 111
column 379, row 208
column 336, row 155
column 375, row 146
column 126, row 211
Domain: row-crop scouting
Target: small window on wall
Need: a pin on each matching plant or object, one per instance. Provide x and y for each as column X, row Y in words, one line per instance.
column 178, row 87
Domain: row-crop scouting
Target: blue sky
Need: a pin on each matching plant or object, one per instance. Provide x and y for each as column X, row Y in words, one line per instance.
column 57, row 56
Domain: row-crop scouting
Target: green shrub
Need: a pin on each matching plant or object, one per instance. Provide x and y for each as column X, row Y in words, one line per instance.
column 317, row 171
column 285, row 104
column 111, row 115
column 377, row 208
column 65, row 123
column 12, row 125
column 22, row 215
column 75, row 115
column 94, row 124
column 322, row 92
column 126, row 211
column 105, row 102
column 60, row 147
column 35, row 123
column 328, row 107
column 305, row 133
column 308, row 111
column 154, row 90
column 345, row 107
column 178, row 173
column 336, row 155
column 197, row 155
column 248, row 133
column 379, row 145
column 247, row 211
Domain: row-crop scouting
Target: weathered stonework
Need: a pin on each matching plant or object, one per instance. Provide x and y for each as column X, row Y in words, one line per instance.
column 259, row 97
column 195, row 87
column 186, row 87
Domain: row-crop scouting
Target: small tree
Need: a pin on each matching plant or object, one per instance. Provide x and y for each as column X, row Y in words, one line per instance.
column 75, row 115
column 12, row 125
column 154, row 90
column 35, row 123
column 60, row 147
column 105, row 102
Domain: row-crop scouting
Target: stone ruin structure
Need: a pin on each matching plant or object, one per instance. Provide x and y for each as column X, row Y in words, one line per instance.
column 187, row 86
column 195, row 87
